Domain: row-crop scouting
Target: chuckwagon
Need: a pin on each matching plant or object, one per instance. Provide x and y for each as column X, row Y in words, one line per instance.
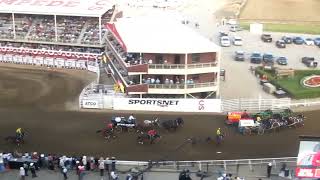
column 233, row 118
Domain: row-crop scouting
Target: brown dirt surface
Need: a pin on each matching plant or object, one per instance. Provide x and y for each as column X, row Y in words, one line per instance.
column 35, row 101
column 282, row 10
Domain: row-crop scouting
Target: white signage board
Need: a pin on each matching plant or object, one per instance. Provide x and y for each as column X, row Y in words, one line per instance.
column 8, row 58
column 25, row 59
column 92, row 68
column 59, row 62
column 81, row 64
column 90, row 104
column 70, row 63
column 38, row 60
column 174, row 105
column 50, row 61
column 19, row 59
column 14, row 59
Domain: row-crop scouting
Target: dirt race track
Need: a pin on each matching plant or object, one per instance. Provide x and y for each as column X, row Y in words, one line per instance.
column 35, row 100
column 282, row 10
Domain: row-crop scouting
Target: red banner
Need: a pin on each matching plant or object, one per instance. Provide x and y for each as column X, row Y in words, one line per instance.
column 113, row 29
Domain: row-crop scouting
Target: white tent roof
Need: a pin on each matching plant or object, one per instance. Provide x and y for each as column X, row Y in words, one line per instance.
column 92, row 8
column 161, row 35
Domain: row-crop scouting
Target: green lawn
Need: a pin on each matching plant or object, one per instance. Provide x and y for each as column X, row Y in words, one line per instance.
column 291, row 28
column 293, row 85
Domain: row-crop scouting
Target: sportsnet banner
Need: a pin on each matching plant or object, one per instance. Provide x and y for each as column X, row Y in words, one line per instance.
column 173, row 105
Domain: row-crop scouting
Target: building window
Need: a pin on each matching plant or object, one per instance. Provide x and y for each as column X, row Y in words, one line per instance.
column 195, row 58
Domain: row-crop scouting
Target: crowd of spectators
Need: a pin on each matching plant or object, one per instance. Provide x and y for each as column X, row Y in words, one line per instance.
column 6, row 29
column 34, row 162
column 42, row 28
column 70, row 29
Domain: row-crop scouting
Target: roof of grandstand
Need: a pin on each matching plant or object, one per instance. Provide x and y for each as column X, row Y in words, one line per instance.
column 86, row 8
column 159, row 34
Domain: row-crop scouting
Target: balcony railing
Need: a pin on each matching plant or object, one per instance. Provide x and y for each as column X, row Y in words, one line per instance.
column 182, row 86
column 201, row 85
column 166, row 66
column 182, row 66
column 202, row 65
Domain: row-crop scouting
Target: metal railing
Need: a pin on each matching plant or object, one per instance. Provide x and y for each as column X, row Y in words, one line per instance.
column 201, row 85
column 215, row 164
column 182, row 86
column 182, row 66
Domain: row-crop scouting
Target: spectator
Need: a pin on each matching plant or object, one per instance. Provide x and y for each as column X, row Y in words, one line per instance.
column 269, row 169
column 150, row 61
column 129, row 177
column 1, row 163
column 101, row 166
column 64, row 172
column 33, row 170
column 81, row 169
column 113, row 164
column 157, row 81
column 108, row 164
column 26, row 168
column 114, row 176
column 22, row 173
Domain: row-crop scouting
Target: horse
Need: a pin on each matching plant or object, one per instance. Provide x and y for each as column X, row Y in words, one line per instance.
column 107, row 133
column 147, row 125
column 172, row 124
column 15, row 139
column 143, row 137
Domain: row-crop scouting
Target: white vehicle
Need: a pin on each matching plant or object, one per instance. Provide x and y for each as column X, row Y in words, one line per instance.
column 225, row 41
column 237, row 41
column 231, row 22
column 309, row 41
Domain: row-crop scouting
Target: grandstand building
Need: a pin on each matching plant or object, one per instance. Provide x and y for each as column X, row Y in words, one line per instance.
column 51, row 30
column 162, row 58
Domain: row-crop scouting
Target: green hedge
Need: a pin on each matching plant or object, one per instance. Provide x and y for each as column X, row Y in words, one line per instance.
column 293, row 85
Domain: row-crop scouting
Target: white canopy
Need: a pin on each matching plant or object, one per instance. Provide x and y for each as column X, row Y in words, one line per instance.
column 92, row 8
column 160, row 35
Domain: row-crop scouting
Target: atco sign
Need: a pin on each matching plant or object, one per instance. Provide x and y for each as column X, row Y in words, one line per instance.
column 175, row 105
column 90, row 104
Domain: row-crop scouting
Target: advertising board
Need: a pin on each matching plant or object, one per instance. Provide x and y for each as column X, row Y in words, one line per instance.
column 173, row 105
column 92, row 68
column 90, row 104
column 308, row 163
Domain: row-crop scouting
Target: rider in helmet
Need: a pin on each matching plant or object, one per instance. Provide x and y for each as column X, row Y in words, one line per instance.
column 19, row 133
column 152, row 133
column 131, row 119
column 258, row 118
column 245, row 114
column 218, row 132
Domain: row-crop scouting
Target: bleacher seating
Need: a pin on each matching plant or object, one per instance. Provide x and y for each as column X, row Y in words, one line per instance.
column 71, row 29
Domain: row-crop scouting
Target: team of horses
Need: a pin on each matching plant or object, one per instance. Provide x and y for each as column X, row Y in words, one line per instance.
column 142, row 128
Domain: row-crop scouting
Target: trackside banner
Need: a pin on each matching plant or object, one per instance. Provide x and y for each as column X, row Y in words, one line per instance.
column 173, row 105
column 90, row 104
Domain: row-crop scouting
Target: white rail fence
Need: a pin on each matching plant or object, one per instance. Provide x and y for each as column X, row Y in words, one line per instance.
column 212, row 165
column 254, row 104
